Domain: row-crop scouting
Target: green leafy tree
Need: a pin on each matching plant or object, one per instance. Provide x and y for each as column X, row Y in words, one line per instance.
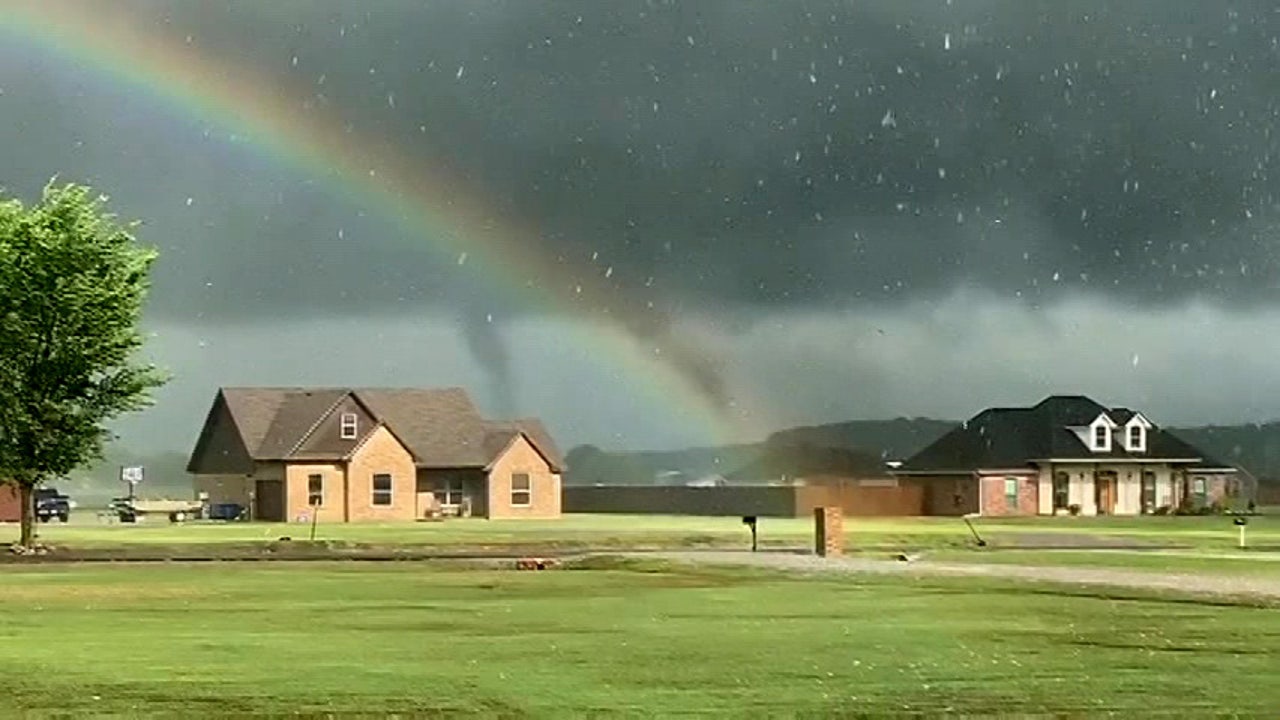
column 72, row 286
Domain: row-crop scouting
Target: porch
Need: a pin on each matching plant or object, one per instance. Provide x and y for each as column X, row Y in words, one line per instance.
column 1072, row 489
column 452, row 493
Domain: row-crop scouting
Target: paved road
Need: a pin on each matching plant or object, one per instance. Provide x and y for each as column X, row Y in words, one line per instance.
column 1197, row 583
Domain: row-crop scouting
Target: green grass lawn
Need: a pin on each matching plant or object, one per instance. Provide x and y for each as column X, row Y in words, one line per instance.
column 1210, row 533
column 198, row 640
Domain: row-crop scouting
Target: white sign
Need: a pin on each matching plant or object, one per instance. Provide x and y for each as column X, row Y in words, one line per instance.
column 132, row 475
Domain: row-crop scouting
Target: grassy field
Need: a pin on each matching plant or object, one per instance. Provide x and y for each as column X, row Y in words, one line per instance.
column 621, row 531
column 648, row 640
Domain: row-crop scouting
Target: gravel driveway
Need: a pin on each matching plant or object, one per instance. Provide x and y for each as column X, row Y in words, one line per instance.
column 1197, row 583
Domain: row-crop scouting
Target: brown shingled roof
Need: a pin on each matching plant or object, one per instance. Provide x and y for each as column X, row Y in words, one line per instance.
column 502, row 432
column 297, row 414
column 254, row 409
column 440, row 426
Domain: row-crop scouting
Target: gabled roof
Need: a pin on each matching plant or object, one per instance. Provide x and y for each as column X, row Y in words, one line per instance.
column 296, row 415
column 440, row 426
column 501, row 433
column 1017, row 437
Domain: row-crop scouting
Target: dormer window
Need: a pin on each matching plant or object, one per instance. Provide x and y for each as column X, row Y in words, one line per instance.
column 1136, row 433
column 349, row 426
column 1099, row 433
column 1101, row 437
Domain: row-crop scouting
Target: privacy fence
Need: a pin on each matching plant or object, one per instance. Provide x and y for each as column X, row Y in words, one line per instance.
column 855, row 497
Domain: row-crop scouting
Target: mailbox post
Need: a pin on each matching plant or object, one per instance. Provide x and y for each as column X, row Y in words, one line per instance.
column 750, row 521
column 314, row 502
column 1241, row 523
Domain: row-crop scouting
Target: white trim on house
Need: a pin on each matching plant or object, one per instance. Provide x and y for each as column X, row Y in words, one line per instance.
column 527, row 491
column 1102, row 421
column 349, row 425
column 1143, row 426
column 375, row 493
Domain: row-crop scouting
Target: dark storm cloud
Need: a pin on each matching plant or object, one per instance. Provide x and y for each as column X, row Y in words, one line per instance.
column 717, row 155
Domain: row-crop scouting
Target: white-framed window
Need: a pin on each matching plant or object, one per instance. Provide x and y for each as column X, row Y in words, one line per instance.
column 521, row 490
column 1137, row 437
column 1101, row 437
column 315, row 490
column 382, row 489
column 1011, row 494
column 448, row 492
column 349, row 425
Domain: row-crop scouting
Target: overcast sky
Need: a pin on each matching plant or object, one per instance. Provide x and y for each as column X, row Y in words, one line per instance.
column 813, row 211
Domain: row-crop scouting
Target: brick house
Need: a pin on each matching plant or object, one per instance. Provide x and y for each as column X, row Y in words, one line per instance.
column 372, row 454
column 1065, row 454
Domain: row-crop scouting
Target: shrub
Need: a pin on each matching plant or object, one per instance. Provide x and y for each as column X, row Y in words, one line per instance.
column 1074, row 509
column 1163, row 510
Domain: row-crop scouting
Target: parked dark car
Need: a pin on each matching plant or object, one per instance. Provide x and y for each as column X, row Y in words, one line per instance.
column 228, row 511
column 51, row 504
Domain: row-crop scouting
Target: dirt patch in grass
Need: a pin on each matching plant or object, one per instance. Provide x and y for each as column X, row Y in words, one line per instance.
column 287, row 551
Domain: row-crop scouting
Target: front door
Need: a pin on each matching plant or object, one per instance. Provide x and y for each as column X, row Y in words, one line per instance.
column 1105, row 487
column 268, row 499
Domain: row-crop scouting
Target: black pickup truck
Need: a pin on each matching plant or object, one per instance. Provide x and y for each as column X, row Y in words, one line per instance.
column 51, row 504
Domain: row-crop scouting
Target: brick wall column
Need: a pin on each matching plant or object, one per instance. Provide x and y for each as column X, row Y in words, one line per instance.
column 828, row 528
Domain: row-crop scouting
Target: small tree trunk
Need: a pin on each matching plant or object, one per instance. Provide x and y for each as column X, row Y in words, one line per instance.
column 28, row 515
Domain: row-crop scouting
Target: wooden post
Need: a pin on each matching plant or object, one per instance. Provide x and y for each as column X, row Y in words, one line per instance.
column 828, row 525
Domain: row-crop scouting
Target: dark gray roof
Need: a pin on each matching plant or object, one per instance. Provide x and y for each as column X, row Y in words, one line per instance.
column 1121, row 415
column 1015, row 437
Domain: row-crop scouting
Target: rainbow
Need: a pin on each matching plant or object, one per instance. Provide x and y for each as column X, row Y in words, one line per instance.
column 454, row 224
